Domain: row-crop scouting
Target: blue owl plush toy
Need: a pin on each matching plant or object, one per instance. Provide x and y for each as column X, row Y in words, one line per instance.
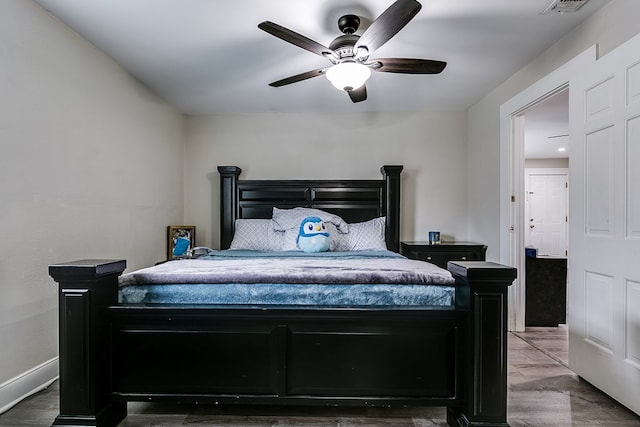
column 313, row 235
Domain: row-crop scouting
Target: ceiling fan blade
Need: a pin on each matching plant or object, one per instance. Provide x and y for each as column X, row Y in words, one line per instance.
column 388, row 24
column 407, row 65
column 295, row 38
column 358, row 95
column 299, row 77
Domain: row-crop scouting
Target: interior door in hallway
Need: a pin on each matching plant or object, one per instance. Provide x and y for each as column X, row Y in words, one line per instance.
column 547, row 211
column 604, row 230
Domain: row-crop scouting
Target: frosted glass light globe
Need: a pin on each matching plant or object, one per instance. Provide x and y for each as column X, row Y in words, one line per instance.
column 348, row 75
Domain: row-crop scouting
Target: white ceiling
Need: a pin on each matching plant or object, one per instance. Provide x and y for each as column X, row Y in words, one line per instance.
column 208, row 56
column 546, row 128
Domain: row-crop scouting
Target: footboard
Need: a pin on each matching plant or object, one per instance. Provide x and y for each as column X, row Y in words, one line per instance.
column 281, row 355
column 110, row 353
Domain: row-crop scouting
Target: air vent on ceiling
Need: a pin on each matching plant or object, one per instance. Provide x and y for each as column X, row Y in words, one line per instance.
column 564, row 6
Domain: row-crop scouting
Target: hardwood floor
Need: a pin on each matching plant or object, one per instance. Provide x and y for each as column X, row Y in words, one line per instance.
column 554, row 342
column 542, row 392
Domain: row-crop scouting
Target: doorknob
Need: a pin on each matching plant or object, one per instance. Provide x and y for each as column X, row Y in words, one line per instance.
column 531, row 226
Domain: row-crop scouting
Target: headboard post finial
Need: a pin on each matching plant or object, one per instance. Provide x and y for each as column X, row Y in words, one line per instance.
column 228, row 197
column 391, row 206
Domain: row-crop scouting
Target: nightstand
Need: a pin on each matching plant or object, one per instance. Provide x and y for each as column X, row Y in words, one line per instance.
column 444, row 252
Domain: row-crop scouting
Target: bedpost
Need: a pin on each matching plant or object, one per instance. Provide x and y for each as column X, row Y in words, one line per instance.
column 391, row 207
column 86, row 289
column 482, row 286
column 228, row 197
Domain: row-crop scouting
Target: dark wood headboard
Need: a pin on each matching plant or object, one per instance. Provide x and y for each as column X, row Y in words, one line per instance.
column 352, row 200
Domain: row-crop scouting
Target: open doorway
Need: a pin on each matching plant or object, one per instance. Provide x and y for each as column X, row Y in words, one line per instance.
column 546, row 163
column 512, row 165
column 546, row 221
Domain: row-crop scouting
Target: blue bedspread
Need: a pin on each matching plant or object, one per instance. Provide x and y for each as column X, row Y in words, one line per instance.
column 362, row 278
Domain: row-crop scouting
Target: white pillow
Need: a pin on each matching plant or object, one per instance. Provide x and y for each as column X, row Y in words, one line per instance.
column 256, row 235
column 287, row 219
column 362, row 236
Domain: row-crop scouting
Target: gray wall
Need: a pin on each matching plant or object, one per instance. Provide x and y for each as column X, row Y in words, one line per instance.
column 547, row 163
column 431, row 145
column 90, row 167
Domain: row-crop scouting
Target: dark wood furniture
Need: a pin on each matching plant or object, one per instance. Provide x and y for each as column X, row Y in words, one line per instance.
column 546, row 291
column 353, row 200
column 444, row 252
column 113, row 353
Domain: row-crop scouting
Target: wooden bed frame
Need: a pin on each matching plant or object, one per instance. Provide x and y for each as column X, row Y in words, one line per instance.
column 112, row 353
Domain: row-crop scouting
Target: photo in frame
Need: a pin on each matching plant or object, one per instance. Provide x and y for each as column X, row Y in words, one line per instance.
column 181, row 239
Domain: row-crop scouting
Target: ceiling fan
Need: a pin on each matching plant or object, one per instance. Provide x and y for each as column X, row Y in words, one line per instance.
column 350, row 53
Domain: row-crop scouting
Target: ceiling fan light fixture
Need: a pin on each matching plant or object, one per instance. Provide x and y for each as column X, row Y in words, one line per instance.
column 348, row 75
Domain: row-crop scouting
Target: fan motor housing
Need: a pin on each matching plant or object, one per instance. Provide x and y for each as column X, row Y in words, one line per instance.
column 343, row 45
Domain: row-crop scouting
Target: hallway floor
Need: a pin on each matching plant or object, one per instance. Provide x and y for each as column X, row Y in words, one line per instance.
column 542, row 392
column 554, row 342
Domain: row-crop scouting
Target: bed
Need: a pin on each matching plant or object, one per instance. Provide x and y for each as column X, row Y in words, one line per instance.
column 339, row 343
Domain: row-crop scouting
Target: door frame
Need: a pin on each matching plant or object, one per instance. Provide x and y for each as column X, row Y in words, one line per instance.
column 512, row 173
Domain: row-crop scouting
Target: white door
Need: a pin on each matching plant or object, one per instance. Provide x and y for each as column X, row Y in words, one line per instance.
column 604, row 231
column 546, row 200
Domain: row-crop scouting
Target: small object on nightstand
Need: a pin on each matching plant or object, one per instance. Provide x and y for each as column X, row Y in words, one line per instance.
column 434, row 238
column 444, row 252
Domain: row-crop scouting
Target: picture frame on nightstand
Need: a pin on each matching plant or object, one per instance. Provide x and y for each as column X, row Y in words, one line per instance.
column 181, row 239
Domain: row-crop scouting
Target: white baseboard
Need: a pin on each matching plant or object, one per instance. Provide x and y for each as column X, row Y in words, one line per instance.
column 27, row 383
